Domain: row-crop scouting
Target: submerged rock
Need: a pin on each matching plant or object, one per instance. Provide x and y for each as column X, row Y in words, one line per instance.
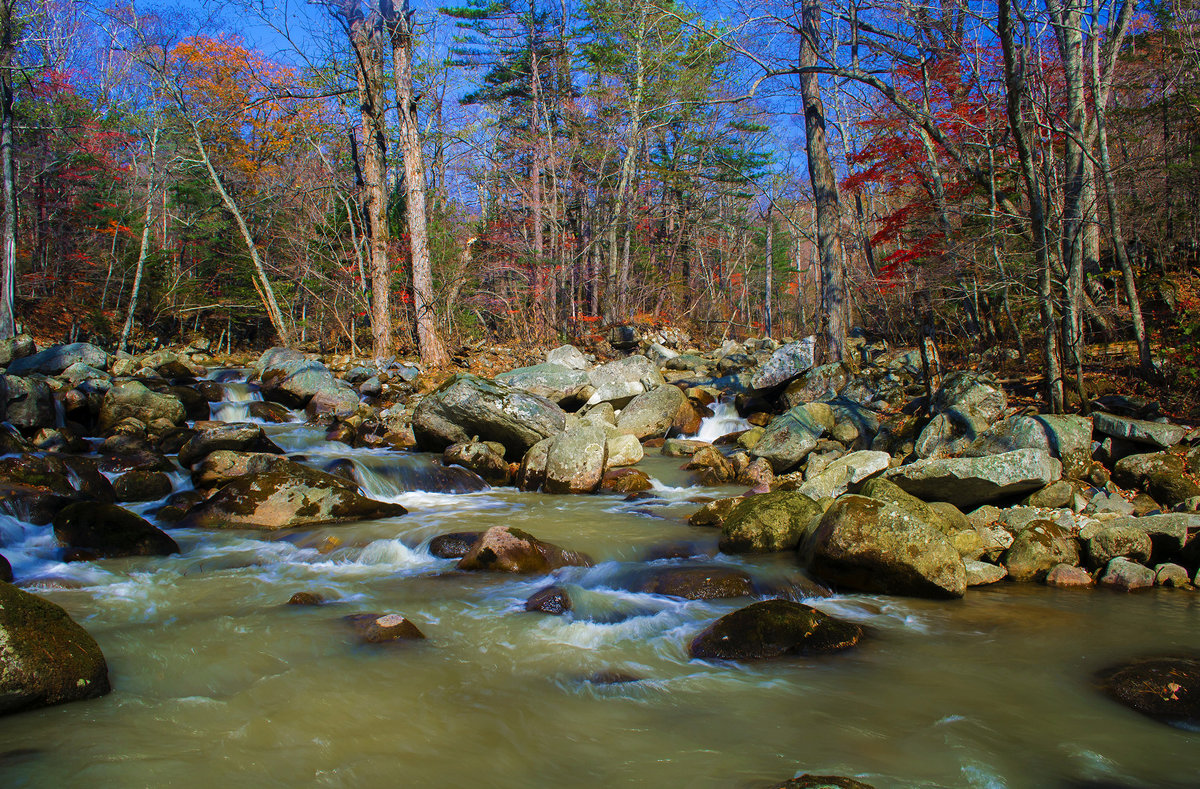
column 94, row 530
column 697, row 583
column 507, row 550
column 306, row 599
column 454, row 545
column 551, row 600
column 381, row 628
column 773, row 628
column 1164, row 688
column 45, row 657
column 807, row 781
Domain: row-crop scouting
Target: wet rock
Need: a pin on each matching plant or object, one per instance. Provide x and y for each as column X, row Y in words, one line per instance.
column 612, row 677
column 623, row 450
column 292, row 495
column 682, row 447
column 454, row 545
column 807, row 781
column 789, row 438
column 768, row 522
column 969, row 482
column 714, row 513
column 688, row 419
column 786, row 363
column 506, row 550
column 224, row 466
column 713, row 467
column 575, row 460
column 1037, row 548
column 1126, row 576
column 1161, row 474
column 569, row 387
column 141, row 485
column 1156, row 434
column 332, row 400
column 620, row 381
column 47, row 657
column 625, row 480
column 1166, row 689
column 132, row 399
column 57, row 358
column 6, row 571
column 532, row 473
column 467, row 406
column 26, row 403
column 551, row 600
column 651, row 413
column 876, row 546
column 771, row 629
column 272, row 413
column 1066, row 437
column 983, row 573
column 482, row 458
column 1172, row 576
column 96, row 530
column 697, row 583
column 1110, row 542
column 382, row 628
column 195, row 405
column 1068, row 576
column 232, row 436
column 305, row 598
column 568, row 356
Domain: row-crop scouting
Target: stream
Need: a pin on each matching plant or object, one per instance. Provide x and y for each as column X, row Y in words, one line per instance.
column 218, row 683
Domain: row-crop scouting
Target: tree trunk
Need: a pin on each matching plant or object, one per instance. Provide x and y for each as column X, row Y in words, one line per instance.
column 144, row 250
column 8, row 257
column 770, row 252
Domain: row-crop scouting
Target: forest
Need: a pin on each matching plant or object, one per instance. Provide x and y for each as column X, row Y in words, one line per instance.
column 1012, row 179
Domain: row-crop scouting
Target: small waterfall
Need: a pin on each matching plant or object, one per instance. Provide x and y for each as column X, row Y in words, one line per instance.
column 388, row 476
column 724, row 420
column 235, row 407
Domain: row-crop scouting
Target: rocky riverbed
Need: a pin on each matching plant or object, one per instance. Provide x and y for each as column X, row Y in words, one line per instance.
column 735, row 512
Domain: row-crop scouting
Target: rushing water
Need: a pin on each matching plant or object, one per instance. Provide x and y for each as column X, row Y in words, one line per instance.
column 218, row 683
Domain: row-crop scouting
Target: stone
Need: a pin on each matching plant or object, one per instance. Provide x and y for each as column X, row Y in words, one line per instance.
column 625, row 480
column 57, row 358
column 697, row 583
column 1172, row 576
column 964, row 406
column 96, row 530
column 568, row 356
column 132, row 399
column 1110, row 542
column 142, row 485
column 1166, row 689
column 532, row 472
column 788, row 439
column 787, row 362
column 758, row 476
column 225, row 465
column 306, row 599
column 820, row 383
column 953, row 524
column 847, row 470
column 26, row 403
column 876, row 546
column 292, row 379
column 1162, row 435
column 1161, row 474
column 242, row 437
column 453, row 545
column 1058, row 495
column 1126, row 576
column 768, row 522
column 1068, row 576
column 507, row 550
column 382, row 628
column 983, row 573
column 773, row 629
column 569, row 387
column 16, row 348
column 466, row 406
column 807, row 781
column 651, row 413
column 715, row 512
column 332, row 400
column 620, row 381
column 682, row 447
column 1168, row 531
column 575, row 460
column 969, row 482
column 45, row 657
column 1066, row 437
column 623, row 450
column 1037, row 548
column 291, row 495
column 713, row 467
column 551, row 600
column 482, row 458
column 272, row 413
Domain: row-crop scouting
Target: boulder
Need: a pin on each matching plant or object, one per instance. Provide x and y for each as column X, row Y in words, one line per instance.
column 575, row 460
column 1109, row 542
column 142, row 485
column 454, row 545
column 969, row 482
column 291, row 495
column 820, row 383
column 715, row 512
column 482, row 458
column 95, row 530
column 847, row 470
column 1066, row 437
column 532, row 473
column 623, row 450
column 239, row 437
column 132, row 399
column 1166, row 689
column 292, row 380
column 382, row 628
column 1161, row 435
column 625, row 480
column 1168, row 532
column 876, row 546
column 1038, row 548
column 772, row 629
column 651, row 413
column 620, row 381
column 551, row 600
column 964, row 406
column 568, row 356
column 1068, row 576
column 1172, row 576
column 786, row 363
column 467, row 406
column 16, row 348
column 45, row 657
column 682, row 447
column 1161, row 474
column 507, row 550
column 26, row 403
column 332, row 400
column 569, row 387
column 768, row 522
column 57, row 358
column 225, row 465
column 953, row 524
column 696, row 583
column 713, row 467
column 789, row 438
column 1126, row 576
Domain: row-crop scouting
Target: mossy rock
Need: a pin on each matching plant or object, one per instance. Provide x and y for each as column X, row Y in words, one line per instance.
column 95, row 530
column 45, row 657
column 771, row 629
column 142, row 485
column 1164, row 688
column 768, row 522
column 697, row 583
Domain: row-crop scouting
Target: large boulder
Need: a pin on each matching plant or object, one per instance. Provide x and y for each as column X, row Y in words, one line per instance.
column 291, row 379
column 786, row 363
column 696, row 583
column 337, row 399
column 569, row 387
column 26, row 403
column 651, row 414
column 847, row 470
column 231, row 436
column 964, row 406
column 16, row 348
column 486, row 460
column 132, row 399
column 876, row 546
column 568, row 356
column 1066, row 437
column 1161, row 435
column 621, row 380
column 95, row 530
column 1166, row 689
column 772, row 629
column 789, row 438
column 1037, row 549
column 293, row 495
column 225, row 465
column 468, row 406
column 575, row 460
column 942, row 516
column 507, row 550
column 820, row 383
column 1164, row 475
column 57, row 358
column 45, row 657
column 969, row 482
column 768, row 522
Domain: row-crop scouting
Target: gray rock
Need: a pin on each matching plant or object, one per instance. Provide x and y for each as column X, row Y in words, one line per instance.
column 1127, row 576
column 333, row 399
column 650, row 414
column 1156, row 434
column 1161, row 474
column 965, row 406
column 564, row 385
column 235, row 436
column 1168, row 532
column 847, row 470
column 132, row 399
column 568, row 356
column 969, row 482
column 1066, row 437
column 467, row 406
column 788, row 439
column 57, row 358
column 1037, row 549
column 26, row 403
column 293, row 383
column 620, row 381
column 1110, row 542
column 983, row 573
column 16, row 348
column 786, row 363
column 624, row 450
column 768, row 522
column 575, row 461
column 875, row 546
